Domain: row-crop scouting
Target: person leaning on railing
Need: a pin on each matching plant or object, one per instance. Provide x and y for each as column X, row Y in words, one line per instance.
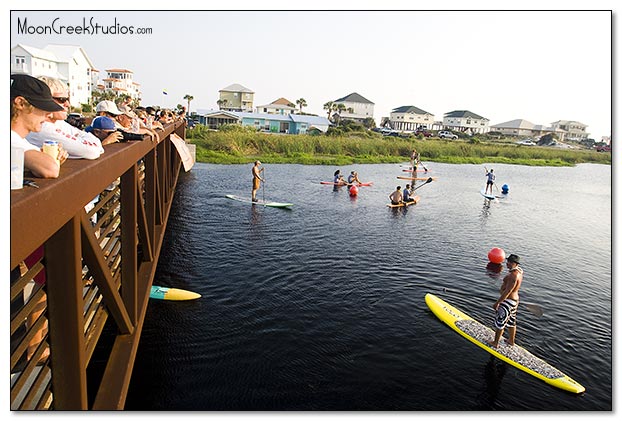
column 129, row 122
column 31, row 105
column 78, row 143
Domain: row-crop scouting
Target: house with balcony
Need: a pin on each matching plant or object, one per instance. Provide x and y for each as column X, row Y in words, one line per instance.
column 279, row 106
column 409, row 118
column 575, row 131
column 121, row 82
column 69, row 63
column 236, row 98
column 357, row 107
column 465, row 121
column 524, row 128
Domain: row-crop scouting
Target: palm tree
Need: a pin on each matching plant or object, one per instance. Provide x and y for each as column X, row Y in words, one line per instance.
column 221, row 103
column 188, row 98
column 330, row 106
column 301, row 103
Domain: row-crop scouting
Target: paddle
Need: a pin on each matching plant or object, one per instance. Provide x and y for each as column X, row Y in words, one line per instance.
column 429, row 180
column 533, row 308
column 263, row 185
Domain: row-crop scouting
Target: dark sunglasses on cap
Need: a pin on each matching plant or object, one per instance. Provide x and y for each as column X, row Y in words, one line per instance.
column 61, row 99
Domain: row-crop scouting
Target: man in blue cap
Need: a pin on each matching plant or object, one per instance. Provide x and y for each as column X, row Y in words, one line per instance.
column 104, row 129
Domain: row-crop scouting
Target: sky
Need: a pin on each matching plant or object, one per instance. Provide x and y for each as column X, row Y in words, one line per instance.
column 541, row 66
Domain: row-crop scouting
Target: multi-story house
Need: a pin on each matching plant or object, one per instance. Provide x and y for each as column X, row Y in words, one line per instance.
column 520, row 127
column 269, row 123
column 236, row 98
column 575, row 131
column 70, row 63
column 280, row 106
column 410, row 118
column 121, row 82
column 465, row 121
column 357, row 107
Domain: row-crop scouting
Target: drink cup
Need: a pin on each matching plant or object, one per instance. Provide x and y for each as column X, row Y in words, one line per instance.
column 50, row 147
column 17, row 168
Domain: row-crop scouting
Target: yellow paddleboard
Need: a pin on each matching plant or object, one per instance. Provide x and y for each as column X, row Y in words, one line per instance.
column 174, row 294
column 515, row 355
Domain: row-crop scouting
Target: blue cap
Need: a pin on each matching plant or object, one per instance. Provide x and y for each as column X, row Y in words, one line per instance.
column 101, row 122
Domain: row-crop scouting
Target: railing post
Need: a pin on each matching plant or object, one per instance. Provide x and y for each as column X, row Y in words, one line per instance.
column 129, row 241
column 66, row 322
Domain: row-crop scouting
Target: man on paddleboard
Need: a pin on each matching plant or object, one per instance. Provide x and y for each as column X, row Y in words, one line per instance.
column 507, row 304
column 396, row 196
column 256, row 179
column 490, row 180
column 407, row 194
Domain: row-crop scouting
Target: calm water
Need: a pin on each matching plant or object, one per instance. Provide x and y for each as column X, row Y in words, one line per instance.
column 322, row 307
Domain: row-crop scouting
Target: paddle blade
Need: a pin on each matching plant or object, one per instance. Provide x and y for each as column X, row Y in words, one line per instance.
column 534, row 308
column 429, row 180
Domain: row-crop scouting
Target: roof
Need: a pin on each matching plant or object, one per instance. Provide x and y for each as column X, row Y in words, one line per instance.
column 283, row 101
column 514, row 124
column 409, row 109
column 119, row 71
column 464, row 113
column 354, row 97
column 65, row 53
column 236, row 87
column 297, row 118
column 38, row 53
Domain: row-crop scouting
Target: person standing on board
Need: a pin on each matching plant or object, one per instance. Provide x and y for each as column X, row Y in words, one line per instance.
column 414, row 159
column 490, row 180
column 507, row 304
column 257, row 180
column 396, row 197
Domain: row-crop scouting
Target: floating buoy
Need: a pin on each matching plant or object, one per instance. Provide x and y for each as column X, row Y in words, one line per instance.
column 496, row 255
column 505, row 189
column 354, row 191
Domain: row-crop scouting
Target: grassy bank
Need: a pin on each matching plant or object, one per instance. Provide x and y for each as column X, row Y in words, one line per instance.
column 237, row 145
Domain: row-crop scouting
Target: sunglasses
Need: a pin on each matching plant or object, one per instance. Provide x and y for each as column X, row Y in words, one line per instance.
column 61, row 99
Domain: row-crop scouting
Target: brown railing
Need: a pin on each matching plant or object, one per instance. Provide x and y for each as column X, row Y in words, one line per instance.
column 80, row 280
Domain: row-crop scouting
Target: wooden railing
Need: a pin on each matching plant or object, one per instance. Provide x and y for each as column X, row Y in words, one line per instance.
column 80, row 280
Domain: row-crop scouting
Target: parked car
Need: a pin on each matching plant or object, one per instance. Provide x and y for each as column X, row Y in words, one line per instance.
column 603, row 148
column 526, row 142
column 445, row 134
column 76, row 120
column 424, row 132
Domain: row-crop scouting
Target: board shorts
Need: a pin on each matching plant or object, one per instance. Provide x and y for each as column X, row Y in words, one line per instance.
column 506, row 314
column 255, row 183
column 489, row 183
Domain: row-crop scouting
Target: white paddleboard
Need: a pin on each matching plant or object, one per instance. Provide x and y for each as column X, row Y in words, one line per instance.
column 259, row 202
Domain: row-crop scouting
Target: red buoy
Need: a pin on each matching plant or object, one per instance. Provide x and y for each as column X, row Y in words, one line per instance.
column 354, row 191
column 496, row 255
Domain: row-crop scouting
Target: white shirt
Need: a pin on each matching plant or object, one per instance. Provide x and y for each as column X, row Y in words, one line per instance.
column 19, row 142
column 78, row 143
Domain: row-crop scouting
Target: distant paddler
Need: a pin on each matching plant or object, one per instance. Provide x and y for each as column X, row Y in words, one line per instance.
column 256, row 179
column 353, row 178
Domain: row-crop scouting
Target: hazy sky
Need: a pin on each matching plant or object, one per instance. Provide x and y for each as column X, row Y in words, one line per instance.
column 541, row 66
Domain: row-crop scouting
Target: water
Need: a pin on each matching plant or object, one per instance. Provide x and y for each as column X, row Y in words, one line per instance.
column 322, row 307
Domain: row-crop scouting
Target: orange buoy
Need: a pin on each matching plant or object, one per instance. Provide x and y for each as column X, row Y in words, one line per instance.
column 354, row 191
column 496, row 255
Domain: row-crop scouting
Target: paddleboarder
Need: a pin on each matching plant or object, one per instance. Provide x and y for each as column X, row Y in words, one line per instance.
column 353, row 178
column 407, row 192
column 507, row 304
column 257, row 180
column 396, row 196
column 338, row 178
column 490, row 180
column 414, row 160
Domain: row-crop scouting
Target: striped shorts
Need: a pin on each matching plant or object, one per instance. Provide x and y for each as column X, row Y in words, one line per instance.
column 506, row 314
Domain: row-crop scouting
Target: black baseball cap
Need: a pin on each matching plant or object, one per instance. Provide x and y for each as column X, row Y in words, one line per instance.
column 513, row 258
column 35, row 91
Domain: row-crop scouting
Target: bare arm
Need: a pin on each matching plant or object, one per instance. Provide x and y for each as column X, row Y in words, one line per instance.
column 41, row 165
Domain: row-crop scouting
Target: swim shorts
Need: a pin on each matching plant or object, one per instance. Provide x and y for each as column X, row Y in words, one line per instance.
column 506, row 314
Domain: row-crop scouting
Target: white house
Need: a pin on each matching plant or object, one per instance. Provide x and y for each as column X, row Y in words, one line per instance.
column 465, row 121
column 361, row 108
column 410, row 118
column 69, row 63
column 279, row 106
column 574, row 130
column 520, row 127
column 121, row 82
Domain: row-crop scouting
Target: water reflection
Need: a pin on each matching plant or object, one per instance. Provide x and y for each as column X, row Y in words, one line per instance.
column 493, row 270
column 493, row 374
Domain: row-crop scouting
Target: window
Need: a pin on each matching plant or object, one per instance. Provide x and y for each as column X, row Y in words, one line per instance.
column 20, row 60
